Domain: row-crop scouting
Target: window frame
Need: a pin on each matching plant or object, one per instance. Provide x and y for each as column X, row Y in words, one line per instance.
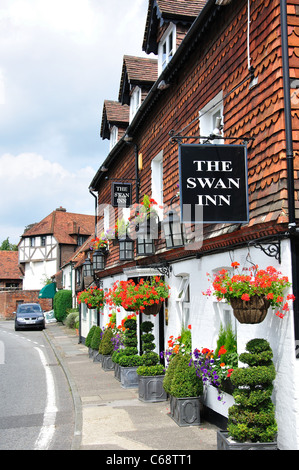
column 169, row 47
column 207, row 117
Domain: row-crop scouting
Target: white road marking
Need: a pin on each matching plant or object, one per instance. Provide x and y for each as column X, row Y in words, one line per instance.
column 47, row 431
column 2, row 353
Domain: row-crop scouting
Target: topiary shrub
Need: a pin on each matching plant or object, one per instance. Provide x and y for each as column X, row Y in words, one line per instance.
column 185, row 383
column 170, row 372
column 89, row 336
column 252, row 418
column 150, row 359
column 129, row 356
column 96, row 338
column 61, row 303
column 106, row 345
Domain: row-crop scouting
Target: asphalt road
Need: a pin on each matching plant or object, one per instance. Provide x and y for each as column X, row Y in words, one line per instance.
column 36, row 406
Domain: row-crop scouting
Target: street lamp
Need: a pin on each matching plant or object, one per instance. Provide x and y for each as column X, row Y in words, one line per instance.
column 126, row 249
column 173, row 230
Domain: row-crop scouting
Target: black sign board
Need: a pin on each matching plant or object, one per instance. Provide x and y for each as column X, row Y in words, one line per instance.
column 213, row 183
column 121, row 194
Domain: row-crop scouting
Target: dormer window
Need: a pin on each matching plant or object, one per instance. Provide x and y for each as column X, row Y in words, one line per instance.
column 113, row 137
column 135, row 101
column 167, row 47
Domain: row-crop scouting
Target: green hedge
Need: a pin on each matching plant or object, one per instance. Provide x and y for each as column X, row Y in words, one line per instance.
column 61, row 303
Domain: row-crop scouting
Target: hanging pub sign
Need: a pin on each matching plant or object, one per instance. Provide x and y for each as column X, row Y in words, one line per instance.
column 121, row 194
column 213, row 183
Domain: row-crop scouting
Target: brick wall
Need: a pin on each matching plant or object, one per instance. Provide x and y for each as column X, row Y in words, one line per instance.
column 10, row 298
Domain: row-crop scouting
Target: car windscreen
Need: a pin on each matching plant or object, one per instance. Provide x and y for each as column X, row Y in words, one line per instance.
column 28, row 309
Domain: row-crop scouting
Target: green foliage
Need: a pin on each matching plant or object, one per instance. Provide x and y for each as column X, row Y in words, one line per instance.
column 185, row 382
column 228, row 340
column 149, row 357
column 7, row 246
column 252, row 418
column 72, row 318
column 61, row 303
column 158, row 369
column 106, row 345
column 89, row 336
column 130, row 361
column 96, row 338
column 185, row 340
column 128, row 356
column 174, row 359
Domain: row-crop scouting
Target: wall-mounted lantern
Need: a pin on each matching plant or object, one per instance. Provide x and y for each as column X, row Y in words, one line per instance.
column 98, row 260
column 87, row 268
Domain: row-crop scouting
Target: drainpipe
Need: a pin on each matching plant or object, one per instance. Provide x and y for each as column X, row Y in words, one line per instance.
column 290, row 164
column 287, row 114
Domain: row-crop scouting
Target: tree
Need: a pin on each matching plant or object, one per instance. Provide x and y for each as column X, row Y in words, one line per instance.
column 6, row 246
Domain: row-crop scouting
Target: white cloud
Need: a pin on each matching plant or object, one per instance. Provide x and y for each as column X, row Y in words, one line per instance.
column 59, row 61
column 33, row 187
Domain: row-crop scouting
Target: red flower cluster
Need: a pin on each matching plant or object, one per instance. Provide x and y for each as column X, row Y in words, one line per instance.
column 268, row 282
column 132, row 296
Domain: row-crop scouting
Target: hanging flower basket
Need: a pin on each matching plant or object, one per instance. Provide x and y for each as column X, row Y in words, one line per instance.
column 152, row 309
column 148, row 227
column 250, row 311
column 252, row 292
column 147, row 294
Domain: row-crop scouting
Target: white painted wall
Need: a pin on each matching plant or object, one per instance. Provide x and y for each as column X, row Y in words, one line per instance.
column 206, row 314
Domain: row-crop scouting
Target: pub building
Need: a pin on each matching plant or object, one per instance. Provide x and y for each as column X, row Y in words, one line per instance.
column 208, row 129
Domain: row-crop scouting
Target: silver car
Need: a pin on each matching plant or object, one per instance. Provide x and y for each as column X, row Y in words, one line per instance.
column 29, row 316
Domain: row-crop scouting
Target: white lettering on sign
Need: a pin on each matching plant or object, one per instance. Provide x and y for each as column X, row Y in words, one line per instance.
column 216, row 200
column 216, row 183
column 203, row 165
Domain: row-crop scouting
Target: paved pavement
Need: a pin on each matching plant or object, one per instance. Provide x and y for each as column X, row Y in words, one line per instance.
column 109, row 417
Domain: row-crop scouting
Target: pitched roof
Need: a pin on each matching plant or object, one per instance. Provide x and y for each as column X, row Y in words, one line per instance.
column 9, row 268
column 161, row 11
column 140, row 71
column 114, row 113
column 63, row 225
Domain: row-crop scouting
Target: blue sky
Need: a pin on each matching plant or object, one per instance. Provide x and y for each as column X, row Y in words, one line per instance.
column 59, row 61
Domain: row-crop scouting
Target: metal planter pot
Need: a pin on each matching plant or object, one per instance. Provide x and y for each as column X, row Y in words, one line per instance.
column 107, row 363
column 150, row 388
column 185, row 411
column 97, row 357
column 224, row 443
column 128, row 377
column 117, row 371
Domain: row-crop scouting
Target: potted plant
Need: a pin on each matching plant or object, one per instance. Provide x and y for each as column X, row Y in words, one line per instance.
column 127, row 361
column 144, row 217
column 144, row 296
column 184, row 388
column 151, row 373
column 88, row 340
column 118, row 232
column 93, row 297
column 252, row 292
column 100, row 243
column 106, row 349
column 251, row 420
column 95, row 344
